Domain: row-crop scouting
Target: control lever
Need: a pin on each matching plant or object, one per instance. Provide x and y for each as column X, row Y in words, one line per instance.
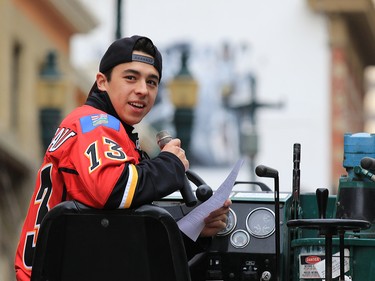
column 296, row 180
column 322, row 199
column 267, row 172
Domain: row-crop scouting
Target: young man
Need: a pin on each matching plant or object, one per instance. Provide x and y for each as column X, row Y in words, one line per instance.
column 95, row 157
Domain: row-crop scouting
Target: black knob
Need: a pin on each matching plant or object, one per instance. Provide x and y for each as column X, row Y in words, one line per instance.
column 203, row 192
column 322, row 199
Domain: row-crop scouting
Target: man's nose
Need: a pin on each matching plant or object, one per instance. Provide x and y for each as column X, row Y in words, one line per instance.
column 142, row 87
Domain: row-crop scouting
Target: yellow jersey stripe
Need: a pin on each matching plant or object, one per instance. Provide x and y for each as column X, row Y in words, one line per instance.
column 127, row 198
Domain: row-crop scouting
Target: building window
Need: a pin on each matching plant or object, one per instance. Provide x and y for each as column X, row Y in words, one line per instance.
column 15, row 84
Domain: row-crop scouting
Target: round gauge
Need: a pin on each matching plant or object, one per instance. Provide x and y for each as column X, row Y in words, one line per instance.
column 261, row 222
column 240, row 238
column 231, row 224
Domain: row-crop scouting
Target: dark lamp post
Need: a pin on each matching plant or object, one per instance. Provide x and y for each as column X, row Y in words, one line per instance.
column 184, row 94
column 51, row 98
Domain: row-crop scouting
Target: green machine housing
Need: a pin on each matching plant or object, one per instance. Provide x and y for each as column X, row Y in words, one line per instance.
column 355, row 200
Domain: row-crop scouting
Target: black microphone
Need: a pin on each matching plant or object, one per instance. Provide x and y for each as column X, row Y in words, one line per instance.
column 266, row 172
column 368, row 163
column 162, row 138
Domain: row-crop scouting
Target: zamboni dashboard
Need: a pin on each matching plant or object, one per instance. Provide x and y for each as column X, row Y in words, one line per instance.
column 246, row 248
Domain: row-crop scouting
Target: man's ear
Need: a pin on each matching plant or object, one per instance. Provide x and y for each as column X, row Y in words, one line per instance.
column 101, row 81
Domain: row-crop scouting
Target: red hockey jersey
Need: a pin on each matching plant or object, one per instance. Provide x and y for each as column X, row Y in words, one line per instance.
column 93, row 160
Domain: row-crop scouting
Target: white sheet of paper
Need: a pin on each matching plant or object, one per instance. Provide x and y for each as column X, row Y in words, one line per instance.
column 193, row 223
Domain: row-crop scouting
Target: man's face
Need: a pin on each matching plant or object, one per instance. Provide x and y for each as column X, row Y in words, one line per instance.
column 132, row 89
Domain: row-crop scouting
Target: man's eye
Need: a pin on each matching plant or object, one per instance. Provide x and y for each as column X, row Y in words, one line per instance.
column 129, row 77
column 153, row 82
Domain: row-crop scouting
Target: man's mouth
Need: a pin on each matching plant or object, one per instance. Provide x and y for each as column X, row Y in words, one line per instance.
column 137, row 105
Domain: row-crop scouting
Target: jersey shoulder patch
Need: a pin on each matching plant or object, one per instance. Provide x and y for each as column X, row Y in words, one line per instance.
column 93, row 121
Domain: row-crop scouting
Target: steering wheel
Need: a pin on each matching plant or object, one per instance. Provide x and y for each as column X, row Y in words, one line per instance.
column 179, row 208
column 203, row 191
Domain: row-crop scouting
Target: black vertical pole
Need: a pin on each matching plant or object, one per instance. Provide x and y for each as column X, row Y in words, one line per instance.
column 118, row 33
column 328, row 256
column 342, row 256
column 277, row 225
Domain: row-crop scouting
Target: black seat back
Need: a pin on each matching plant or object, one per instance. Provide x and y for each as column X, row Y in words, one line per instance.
column 79, row 243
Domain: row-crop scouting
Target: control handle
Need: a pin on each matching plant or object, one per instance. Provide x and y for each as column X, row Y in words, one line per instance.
column 322, row 199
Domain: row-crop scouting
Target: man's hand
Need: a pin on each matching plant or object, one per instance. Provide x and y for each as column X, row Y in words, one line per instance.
column 174, row 146
column 216, row 221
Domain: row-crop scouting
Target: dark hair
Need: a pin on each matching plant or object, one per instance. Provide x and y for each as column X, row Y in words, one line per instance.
column 146, row 46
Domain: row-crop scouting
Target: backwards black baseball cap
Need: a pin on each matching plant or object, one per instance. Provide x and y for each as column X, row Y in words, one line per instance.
column 121, row 51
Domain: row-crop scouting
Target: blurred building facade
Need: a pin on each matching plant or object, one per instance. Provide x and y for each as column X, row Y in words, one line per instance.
column 33, row 34
column 351, row 28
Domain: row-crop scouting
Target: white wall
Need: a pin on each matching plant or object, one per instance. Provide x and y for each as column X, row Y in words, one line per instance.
column 289, row 54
